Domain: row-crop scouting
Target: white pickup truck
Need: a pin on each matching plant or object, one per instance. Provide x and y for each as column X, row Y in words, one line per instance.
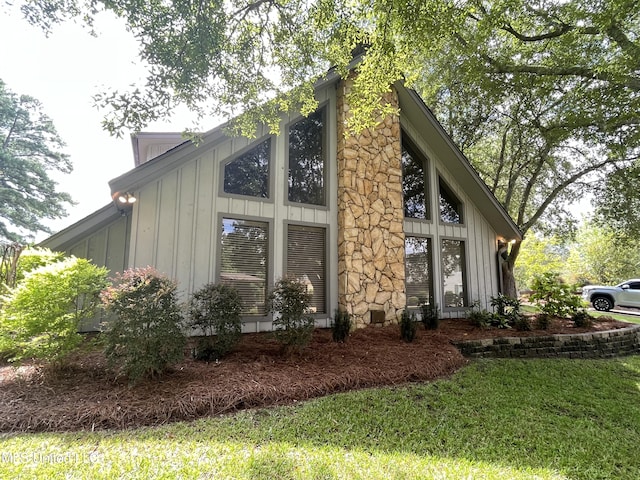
column 625, row 294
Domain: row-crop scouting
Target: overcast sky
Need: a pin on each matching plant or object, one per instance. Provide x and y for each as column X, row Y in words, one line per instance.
column 64, row 71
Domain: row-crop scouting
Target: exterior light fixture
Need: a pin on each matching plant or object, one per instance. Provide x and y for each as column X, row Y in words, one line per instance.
column 127, row 198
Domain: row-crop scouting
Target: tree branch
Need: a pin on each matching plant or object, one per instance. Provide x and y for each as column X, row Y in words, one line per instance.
column 556, row 191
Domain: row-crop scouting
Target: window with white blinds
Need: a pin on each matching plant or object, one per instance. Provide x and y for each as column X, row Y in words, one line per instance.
column 244, row 253
column 306, row 252
column 419, row 271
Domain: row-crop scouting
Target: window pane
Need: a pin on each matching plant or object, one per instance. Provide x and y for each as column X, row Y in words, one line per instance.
column 244, row 262
column 453, row 274
column 413, row 184
column 450, row 206
column 249, row 173
column 419, row 276
column 306, row 159
column 306, row 262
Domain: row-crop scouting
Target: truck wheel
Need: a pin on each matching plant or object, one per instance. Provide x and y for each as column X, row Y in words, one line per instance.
column 602, row 304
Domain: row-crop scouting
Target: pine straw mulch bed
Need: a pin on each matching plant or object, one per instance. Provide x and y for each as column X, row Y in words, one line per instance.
column 84, row 395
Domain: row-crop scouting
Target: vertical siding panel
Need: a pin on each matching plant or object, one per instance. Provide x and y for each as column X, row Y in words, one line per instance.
column 144, row 237
column 472, row 260
column 95, row 248
column 79, row 250
column 185, row 230
column 491, row 272
column 116, row 246
column 205, row 218
column 166, row 215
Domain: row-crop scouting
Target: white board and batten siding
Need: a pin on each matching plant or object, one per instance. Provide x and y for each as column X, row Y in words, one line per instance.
column 177, row 220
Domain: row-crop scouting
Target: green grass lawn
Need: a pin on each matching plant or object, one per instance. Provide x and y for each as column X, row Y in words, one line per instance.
column 495, row 419
column 594, row 313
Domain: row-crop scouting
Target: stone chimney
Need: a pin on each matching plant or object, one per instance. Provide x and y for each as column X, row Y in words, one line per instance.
column 371, row 269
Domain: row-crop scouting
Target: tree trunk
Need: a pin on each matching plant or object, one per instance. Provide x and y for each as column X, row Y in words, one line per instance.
column 509, row 256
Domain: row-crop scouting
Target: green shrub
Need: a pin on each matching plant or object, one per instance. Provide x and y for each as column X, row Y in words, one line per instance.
column 544, row 320
column 582, row 319
column 145, row 337
column 554, row 297
column 32, row 258
column 408, row 326
column 478, row 316
column 430, row 316
column 523, row 323
column 289, row 302
column 215, row 310
column 341, row 326
column 40, row 317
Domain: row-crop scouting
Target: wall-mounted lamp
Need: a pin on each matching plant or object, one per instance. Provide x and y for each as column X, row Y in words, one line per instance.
column 127, row 198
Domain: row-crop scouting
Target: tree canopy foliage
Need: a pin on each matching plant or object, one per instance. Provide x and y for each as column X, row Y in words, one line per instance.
column 30, row 150
column 542, row 95
column 229, row 56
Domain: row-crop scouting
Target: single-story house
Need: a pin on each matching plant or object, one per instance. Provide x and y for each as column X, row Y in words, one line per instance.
column 373, row 223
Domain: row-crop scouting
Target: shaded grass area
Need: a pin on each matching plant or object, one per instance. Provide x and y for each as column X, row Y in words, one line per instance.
column 577, row 419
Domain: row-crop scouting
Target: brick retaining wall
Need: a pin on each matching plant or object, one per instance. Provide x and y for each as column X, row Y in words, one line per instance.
column 612, row 343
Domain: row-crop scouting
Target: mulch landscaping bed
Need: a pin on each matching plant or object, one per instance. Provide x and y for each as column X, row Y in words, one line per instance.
column 84, row 395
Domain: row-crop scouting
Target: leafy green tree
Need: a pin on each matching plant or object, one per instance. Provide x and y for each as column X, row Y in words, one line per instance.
column 30, row 150
column 602, row 255
column 539, row 255
column 542, row 95
column 237, row 54
column 40, row 317
column 617, row 206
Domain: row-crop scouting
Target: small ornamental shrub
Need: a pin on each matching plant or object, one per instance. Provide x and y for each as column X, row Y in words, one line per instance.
column 478, row 316
column 341, row 326
column 554, row 297
column 430, row 316
column 582, row 319
column 523, row 323
column 289, row 301
column 41, row 316
column 145, row 337
column 408, row 326
column 215, row 310
column 544, row 321
column 507, row 310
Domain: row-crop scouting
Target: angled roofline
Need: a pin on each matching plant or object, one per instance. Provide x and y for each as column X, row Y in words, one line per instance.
column 82, row 228
column 503, row 222
column 162, row 164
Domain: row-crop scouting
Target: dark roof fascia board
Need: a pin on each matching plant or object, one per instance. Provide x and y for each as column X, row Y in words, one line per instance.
column 506, row 226
column 82, row 228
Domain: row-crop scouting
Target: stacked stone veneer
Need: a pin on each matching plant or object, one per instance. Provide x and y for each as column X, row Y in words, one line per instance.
column 371, row 270
column 612, row 343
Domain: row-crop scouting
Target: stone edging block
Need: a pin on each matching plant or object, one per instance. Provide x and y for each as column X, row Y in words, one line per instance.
column 607, row 344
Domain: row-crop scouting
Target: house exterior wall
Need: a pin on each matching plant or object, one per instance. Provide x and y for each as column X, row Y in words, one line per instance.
column 177, row 220
column 105, row 247
column 479, row 237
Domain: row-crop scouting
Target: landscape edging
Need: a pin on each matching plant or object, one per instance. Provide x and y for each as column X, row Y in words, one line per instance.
column 607, row 344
